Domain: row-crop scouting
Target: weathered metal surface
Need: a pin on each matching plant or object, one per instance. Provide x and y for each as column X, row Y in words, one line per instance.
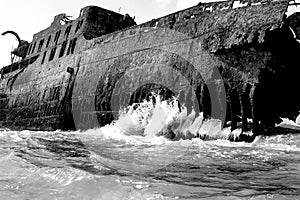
column 86, row 70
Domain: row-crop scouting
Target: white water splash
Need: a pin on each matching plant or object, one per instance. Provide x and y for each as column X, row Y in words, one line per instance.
column 287, row 123
column 146, row 121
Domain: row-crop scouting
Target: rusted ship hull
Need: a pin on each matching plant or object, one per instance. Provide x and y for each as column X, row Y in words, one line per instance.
column 221, row 61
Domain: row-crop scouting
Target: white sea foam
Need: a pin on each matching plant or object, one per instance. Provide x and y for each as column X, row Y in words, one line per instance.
column 287, row 123
column 147, row 122
column 144, row 122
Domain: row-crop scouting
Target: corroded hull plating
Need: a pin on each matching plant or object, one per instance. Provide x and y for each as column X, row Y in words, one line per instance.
column 218, row 60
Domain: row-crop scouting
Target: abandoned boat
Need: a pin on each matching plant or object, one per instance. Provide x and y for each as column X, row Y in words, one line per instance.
column 232, row 63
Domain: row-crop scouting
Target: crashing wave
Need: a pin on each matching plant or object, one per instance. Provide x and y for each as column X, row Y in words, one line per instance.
column 167, row 118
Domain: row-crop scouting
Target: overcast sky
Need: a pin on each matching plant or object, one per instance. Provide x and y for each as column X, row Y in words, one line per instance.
column 27, row 17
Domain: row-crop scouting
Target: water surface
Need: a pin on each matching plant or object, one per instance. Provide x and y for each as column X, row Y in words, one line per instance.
column 94, row 165
column 129, row 160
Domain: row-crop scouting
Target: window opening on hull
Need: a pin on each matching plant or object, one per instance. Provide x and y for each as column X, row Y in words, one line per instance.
column 63, row 48
column 67, row 32
column 56, row 37
column 40, row 45
column 44, row 56
column 33, row 47
column 72, row 46
column 52, row 54
column 48, row 42
column 79, row 24
column 29, row 50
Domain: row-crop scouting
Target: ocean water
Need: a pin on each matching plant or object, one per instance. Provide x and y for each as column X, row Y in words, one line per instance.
column 128, row 159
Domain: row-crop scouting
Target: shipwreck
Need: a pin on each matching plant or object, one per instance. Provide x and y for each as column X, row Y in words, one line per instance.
column 233, row 63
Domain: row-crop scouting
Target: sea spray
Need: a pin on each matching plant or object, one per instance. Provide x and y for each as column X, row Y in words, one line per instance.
column 155, row 117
